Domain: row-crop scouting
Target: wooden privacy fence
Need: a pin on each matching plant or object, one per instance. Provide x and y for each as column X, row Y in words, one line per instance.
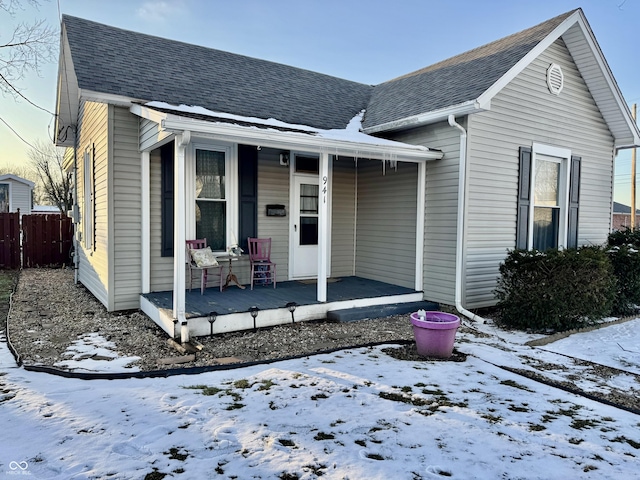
column 10, row 240
column 46, row 240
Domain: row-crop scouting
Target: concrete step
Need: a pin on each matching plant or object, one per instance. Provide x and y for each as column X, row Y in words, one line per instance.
column 377, row 311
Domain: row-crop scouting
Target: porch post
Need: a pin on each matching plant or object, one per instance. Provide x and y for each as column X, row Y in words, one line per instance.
column 422, row 186
column 179, row 224
column 323, row 227
column 146, row 224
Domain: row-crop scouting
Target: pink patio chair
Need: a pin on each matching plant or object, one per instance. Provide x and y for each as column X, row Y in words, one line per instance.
column 197, row 249
column 263, row 270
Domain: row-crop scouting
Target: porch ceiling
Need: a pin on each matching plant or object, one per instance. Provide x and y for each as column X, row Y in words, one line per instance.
column 349, row 142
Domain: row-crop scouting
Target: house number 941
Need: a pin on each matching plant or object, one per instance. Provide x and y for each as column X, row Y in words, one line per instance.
column 324, row 189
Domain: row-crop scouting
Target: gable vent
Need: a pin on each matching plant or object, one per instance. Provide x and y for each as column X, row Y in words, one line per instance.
column 555, row 79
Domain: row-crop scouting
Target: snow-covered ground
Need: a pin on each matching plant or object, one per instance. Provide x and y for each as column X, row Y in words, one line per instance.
column 356, row 414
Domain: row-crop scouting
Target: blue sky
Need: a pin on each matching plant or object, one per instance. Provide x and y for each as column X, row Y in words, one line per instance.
column 366, row 41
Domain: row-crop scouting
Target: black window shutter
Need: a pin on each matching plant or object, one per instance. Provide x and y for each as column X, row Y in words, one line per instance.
column 248, row 194
column 524, row 198
column 574, row 201
column 167, row 197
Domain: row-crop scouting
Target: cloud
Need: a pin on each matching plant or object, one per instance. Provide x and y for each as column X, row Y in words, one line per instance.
column 160, row 11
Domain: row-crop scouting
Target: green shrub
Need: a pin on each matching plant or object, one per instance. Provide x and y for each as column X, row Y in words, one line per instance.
column 623, row 248
column 555, row 290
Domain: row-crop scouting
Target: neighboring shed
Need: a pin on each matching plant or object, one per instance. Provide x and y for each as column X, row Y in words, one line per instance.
column 15, row 194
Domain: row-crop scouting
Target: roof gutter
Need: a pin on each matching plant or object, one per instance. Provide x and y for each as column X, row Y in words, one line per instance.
column 291, row 140
column 462, row 180
column 466, row 108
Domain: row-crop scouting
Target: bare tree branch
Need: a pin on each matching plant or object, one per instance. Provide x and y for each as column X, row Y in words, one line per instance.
column 28, row 46
column 47, row 162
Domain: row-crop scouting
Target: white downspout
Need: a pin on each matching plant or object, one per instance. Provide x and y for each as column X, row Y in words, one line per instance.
column 462, row 180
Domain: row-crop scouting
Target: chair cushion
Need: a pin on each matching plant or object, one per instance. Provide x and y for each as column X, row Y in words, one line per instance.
column 203, row 257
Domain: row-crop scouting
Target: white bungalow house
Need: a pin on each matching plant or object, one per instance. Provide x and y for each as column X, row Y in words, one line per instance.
column 419, row 185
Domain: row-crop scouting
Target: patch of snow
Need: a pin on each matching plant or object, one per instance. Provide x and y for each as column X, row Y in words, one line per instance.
column 93, row 353
column 351, row 133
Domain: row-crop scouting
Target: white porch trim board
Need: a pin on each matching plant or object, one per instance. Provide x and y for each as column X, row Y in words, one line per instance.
column 323, row 226
column 179, row 253
column 420, row 213
column 146, row 222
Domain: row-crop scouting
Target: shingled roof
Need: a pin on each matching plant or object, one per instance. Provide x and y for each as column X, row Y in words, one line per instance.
column 120, row 62
column 112, row 63
column 453, row 81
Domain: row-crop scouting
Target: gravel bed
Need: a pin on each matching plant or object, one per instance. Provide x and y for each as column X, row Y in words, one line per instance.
column 49, row 313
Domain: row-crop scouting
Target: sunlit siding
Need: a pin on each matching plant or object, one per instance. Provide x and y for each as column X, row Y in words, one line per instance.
column 386, row 222
column 440, row 209
column 273, row 188
column 161, row 268
column 93, row 269
column 150, row 134
column 522, row 113
column 343, row 204
column 126, row 200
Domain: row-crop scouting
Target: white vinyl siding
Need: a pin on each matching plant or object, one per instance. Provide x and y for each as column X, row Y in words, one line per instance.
column 273, row 188
column 20, row 197
column 343, row 204
column 150, row 134
column 386, row 223
column 441, row 205
column 522, row 113
column 93, row 271
column 126, row 207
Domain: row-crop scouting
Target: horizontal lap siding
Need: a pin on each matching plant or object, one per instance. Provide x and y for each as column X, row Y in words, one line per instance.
column 273, row 188
column 93, row 269
column 20, row 197
column 386, row 223
column 161, row 268
column 440, row 209
column 127, row 209
column 150, row 134
column 343, row 217
column 522, row 113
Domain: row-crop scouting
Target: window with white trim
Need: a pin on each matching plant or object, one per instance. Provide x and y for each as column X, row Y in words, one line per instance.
column 548, row 198
column 215, row 203
column 549, row 202
column 211, row 198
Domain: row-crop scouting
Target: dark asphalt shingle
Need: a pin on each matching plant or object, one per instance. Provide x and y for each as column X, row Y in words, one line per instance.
column 115, row 61
column 455, row 80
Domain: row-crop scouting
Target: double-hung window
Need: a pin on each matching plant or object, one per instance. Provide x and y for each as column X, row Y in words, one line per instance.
column 211, row 194
column 549, row 202
column 211, row 197
column 548, row 198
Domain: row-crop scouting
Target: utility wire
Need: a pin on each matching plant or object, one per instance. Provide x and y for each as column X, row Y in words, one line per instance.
column 2, row 77
column 29, row 144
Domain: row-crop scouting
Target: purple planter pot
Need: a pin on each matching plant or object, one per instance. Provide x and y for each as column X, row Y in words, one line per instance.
column 435, row 334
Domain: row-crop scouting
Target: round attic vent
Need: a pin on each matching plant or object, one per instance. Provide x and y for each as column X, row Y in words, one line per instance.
column 555, row 79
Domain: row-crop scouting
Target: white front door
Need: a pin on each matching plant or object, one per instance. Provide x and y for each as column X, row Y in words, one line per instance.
column 304, row 226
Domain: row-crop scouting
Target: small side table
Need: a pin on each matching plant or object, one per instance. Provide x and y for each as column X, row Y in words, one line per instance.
column 231, row 277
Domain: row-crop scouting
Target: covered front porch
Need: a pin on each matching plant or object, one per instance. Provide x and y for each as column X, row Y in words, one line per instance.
column 351, row 206
column 219, row 312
